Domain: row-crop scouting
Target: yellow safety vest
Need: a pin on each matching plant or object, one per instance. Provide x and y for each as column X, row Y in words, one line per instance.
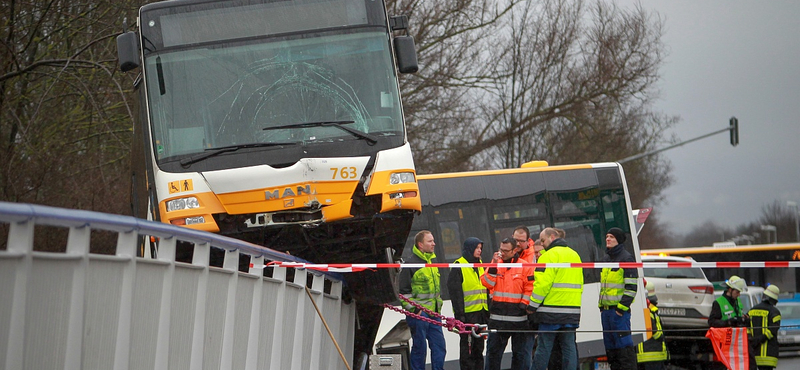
column 474, row 292
column 557, row 291
column 612, row 287
column 655, row 348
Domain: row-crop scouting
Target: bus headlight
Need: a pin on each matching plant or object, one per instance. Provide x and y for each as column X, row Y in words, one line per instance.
column 182, row 203
column 401, row 178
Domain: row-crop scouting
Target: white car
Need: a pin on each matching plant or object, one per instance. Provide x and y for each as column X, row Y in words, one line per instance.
column 685, row 295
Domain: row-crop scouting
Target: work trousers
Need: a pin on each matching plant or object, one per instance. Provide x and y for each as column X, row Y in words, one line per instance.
column 471, row 352
column 422, row 332
column 652, row 365
column 521, row 348
column 564, row 338
column 470, row 347
column 618, row 341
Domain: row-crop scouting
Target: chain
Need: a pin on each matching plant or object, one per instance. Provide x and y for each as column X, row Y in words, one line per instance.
column 451, row 323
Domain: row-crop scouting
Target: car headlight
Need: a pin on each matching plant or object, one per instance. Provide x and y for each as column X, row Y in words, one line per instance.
column 401, row 178
column 182, row 203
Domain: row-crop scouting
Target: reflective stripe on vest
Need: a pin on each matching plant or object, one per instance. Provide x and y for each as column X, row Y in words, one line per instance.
column 555, row 309
column 508, row 318
column 653, row 355
column 728, row 312
column 612, row 286
column 425, row 289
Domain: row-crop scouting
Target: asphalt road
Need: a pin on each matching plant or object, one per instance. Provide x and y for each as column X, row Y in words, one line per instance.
column 788, row 363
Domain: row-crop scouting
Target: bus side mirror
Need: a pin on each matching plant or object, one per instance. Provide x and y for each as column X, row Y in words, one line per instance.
column 127, row 51
column 405, row 54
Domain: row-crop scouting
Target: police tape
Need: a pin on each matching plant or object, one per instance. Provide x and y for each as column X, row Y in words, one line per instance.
column 355, row 267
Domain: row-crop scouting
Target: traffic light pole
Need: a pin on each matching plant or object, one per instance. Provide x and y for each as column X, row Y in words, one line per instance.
column 733, row 129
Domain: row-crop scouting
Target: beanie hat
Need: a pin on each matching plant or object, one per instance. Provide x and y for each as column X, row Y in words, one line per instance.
column 469, row 248
column 618, row 234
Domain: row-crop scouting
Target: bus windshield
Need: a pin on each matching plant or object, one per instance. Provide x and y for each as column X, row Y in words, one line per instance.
column 231, row 94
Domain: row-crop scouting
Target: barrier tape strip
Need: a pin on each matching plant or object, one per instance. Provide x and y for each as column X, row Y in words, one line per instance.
column 355, row 267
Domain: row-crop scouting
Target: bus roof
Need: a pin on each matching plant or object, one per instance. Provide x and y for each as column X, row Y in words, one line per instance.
column 717, row 250
column 515, row 170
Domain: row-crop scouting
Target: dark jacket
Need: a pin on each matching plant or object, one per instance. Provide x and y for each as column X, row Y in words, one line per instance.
column 620, row 254
column 715, row 319
column 765, row 321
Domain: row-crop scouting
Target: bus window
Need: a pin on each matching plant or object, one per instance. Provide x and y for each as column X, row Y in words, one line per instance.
column 449, row 241
column 580, row 237
column 525, row 210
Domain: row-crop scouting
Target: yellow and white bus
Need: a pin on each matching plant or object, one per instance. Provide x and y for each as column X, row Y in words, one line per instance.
column 585, row 200
column 278, row 123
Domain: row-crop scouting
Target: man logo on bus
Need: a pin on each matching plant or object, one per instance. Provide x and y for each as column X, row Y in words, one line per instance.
column 288, row 192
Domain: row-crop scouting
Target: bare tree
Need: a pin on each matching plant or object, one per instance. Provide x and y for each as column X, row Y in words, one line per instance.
column 505, row 82
column 454, row 40
column 64, row 116
column 778, row 214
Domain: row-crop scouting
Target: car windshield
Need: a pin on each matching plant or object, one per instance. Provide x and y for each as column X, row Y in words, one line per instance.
column 789, row 310
column 674, row 273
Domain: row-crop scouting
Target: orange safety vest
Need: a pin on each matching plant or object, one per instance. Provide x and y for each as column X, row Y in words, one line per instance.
column 730, row 347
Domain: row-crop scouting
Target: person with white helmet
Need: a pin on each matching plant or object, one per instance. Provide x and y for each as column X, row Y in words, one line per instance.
column 765, row 320
column 727, row 310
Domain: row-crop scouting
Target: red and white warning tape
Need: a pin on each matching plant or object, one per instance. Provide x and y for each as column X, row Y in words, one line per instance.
column 355, row 267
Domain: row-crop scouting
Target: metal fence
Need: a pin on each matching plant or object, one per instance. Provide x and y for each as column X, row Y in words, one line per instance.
column 80, row 310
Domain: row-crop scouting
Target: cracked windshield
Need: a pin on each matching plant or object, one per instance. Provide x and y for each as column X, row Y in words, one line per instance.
column 215, row 97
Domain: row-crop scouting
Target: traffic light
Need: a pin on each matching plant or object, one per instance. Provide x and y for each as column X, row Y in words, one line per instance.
column 734, row 131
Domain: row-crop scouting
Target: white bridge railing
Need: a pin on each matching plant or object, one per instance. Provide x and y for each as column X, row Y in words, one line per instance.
column 80, row 310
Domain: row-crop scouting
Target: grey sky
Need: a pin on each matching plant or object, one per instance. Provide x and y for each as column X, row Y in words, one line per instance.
column 730, row 58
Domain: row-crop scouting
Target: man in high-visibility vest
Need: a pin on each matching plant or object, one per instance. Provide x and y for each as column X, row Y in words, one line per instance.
column 469, row 298
column 421, row 285
column 617, row 290
column 511, row 290
column 652, row 353
column 556, row 302
column 727, row 310
column 765, row 321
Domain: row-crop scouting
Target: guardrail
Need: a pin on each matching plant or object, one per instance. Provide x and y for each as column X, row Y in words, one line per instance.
column 80, row 310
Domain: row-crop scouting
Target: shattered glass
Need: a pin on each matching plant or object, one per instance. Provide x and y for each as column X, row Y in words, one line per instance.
column 226, row 94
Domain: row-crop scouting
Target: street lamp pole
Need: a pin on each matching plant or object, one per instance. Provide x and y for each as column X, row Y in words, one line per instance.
column 793, row 204
column 768, row 229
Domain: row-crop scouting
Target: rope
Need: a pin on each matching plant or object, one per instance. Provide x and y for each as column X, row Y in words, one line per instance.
column 355, row 267
column 451, row 323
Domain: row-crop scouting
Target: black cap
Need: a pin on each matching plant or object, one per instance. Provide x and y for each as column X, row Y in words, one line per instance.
column 618, row 234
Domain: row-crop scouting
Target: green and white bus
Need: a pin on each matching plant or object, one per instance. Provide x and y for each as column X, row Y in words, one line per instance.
column 584, row 200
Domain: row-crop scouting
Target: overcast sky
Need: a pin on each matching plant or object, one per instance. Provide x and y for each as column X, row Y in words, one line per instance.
column 730, row 58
